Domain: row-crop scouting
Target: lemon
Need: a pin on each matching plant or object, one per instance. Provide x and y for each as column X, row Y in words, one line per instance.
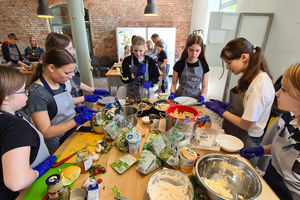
column 70, row 174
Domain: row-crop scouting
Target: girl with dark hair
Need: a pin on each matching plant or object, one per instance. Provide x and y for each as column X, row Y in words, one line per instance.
column 251, row 100
column 191, row 71
column 50, row 105
column 283, row 172
column 24, row 155
column 63, row 41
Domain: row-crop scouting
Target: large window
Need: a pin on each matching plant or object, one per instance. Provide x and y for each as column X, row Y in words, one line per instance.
column 228, row 5
column 61, row 24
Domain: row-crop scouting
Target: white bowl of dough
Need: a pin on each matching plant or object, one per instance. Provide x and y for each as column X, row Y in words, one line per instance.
column 229, row 143
column 169, row 184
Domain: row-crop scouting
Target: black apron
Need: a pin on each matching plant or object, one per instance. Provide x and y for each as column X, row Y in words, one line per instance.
column 236, row 107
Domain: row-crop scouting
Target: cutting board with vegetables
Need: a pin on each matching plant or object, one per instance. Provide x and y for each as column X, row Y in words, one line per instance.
column 81, row 140
column 39, row 188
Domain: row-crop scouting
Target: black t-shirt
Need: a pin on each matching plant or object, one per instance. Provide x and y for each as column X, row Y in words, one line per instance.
column 39, row 99
column 15, row 132
column 180, row 65
column 161, row 56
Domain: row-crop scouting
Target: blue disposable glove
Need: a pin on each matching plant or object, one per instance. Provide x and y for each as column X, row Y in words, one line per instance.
column 102, row 92
column 45, row 165
column 252, row 152
column 201, row 100
column 84, row 117
column 214, row 106
column 141, row 70
column 147, row 85
column 222, row 104
column 92, row 97
column 159, row 67
column 172, row 96
column 80, row 109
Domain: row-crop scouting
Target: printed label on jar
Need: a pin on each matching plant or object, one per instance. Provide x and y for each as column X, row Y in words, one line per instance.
column 88, row 163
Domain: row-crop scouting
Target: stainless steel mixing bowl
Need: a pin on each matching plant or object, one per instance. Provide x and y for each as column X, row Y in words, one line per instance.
column 240, row 179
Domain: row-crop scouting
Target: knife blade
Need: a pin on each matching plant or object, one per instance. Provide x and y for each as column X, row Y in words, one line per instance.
column 121, row 198
column 67, row 158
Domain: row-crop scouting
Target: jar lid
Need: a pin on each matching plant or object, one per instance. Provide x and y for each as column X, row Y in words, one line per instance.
column 133, row 137
column 188, row 153
column 53, row 179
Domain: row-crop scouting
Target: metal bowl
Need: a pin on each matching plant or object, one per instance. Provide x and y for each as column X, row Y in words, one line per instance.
column 241, row 180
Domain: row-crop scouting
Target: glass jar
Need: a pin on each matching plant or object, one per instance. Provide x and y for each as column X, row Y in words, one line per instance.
column 55, row 187
column 84, row 160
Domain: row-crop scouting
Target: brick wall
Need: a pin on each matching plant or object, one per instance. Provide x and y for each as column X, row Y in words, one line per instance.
column 105, row 16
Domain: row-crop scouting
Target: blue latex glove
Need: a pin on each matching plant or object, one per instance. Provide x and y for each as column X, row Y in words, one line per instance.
column 172, row 96
column 104, row 93
column 109, row 105
column 252, row 152
column 141, row 70
column 44, row 166
column 80, row 109
column 159, row 67
column 92, row 97
column 222, row 104
column 214, row 106
column 201, row 100
column 84, row 117
column 147, row 85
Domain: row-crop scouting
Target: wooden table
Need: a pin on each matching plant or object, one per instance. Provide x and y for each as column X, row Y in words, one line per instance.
column 131, row 183
column 113, row 76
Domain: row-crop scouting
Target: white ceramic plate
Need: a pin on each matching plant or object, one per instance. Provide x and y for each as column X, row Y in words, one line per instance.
column 229, row 143
column 106, row 100
column 191, row 101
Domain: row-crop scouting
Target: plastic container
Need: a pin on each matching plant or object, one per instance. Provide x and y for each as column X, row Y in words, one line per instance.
column 187, row 159
column 133, row 142
column 55, row 187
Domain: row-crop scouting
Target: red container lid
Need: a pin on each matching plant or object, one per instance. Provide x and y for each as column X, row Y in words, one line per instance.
column 182, row 108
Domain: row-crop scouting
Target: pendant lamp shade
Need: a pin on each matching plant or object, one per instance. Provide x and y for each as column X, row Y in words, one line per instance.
column 150, row 9
column 43, row 10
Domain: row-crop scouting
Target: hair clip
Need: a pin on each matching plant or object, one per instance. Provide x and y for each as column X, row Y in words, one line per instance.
column 254, row 49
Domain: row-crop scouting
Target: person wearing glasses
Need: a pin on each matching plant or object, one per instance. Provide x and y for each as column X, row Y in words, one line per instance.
column 24, row 155
column 283, row 172
column 51, row 106
column 33, row 52
column 11, row 52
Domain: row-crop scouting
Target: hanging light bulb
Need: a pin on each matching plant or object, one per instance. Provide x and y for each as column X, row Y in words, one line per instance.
column 43, row 10
column 150, row 9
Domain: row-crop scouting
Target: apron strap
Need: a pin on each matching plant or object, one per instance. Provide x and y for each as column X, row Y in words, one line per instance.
column 46, row 85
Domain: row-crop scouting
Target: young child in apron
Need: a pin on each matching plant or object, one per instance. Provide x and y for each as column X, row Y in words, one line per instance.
column 251, row 100
column 55, row 40
column 191, row 71
column 139, row 71
column 50, row 105
column 283, row 172
column 24, row 155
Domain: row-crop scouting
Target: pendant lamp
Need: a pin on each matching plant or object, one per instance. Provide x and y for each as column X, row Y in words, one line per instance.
column 150, row 9
column 43, row 10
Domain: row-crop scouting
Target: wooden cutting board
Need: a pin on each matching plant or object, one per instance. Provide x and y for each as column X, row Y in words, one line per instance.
column 82, row 139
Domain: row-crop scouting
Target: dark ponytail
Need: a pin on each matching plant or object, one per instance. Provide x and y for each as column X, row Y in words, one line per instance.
column 56, row 56
column 234, row 49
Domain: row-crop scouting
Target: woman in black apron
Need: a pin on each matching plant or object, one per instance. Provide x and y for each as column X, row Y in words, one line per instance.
column 191, row 71
column 24, row 155
column 251, row 100
column 55, row 40
column 283, row 172
column 139, row 72
column 50, row 105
